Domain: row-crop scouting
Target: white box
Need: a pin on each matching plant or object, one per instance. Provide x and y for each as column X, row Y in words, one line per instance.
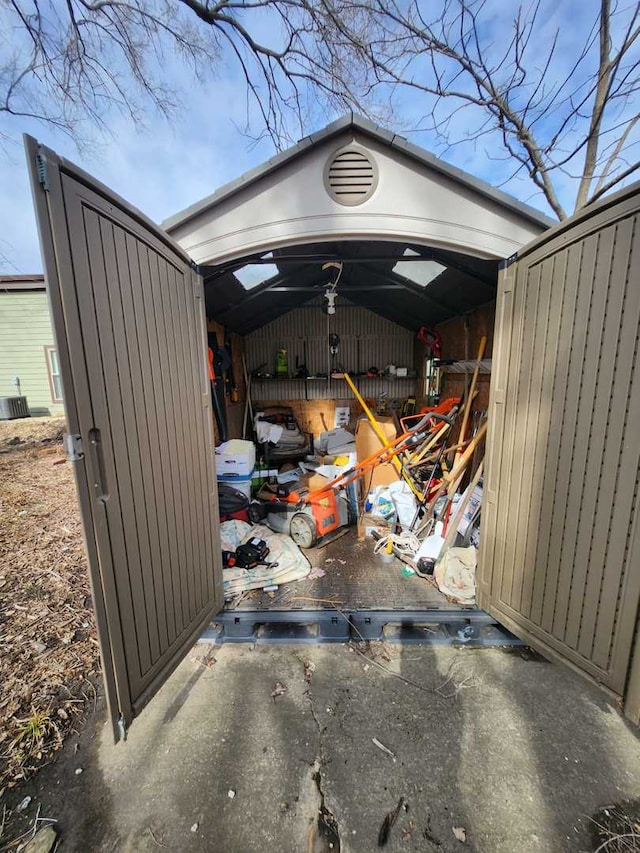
column 235, row 457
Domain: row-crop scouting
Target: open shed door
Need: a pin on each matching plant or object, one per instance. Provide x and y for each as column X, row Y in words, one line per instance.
column 130, row 326
column 560, row 550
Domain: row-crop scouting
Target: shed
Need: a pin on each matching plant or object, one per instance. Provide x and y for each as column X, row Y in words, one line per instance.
column 416, row 244
column 28, row 357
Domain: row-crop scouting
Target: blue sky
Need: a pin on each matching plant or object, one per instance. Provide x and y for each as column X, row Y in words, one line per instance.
column 160, row 168
column 163, row 167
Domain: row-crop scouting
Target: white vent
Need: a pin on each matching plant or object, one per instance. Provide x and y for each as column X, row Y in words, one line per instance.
column 351, row 175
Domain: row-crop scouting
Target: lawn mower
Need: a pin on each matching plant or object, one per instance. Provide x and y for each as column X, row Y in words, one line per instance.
column 318, row 516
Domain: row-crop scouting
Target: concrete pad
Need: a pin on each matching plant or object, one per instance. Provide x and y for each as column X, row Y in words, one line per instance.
column 514, row 750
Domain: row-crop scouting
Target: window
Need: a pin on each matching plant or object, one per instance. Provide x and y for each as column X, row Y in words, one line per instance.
column 53, row 369
column 252, row 275
column 419, row 272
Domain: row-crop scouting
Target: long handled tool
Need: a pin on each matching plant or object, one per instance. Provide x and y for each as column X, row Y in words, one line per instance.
column 472, row 390
column 455, row 520
column 248, row 407
column 455, row 475
column 384, row 454
column 383, row 438
column 217, row 394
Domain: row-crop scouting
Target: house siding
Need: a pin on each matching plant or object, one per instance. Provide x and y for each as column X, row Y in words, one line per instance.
column 25, row 331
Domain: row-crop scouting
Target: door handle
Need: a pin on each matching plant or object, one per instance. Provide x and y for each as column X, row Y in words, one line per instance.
column 96, row 454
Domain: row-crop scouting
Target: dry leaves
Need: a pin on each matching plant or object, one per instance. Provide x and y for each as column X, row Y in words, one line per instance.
column 48, row 651
column 31, row 432
column 309, row 669
column 460, row 833
column 278, row 690
column 380, row 650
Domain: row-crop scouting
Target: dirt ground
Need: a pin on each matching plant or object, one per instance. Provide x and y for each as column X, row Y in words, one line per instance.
column 31, row 432
column 519, row 756
column 49, row 660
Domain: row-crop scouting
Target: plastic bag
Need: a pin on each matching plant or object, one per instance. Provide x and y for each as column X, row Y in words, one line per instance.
column 380, row 504
column 404, row 502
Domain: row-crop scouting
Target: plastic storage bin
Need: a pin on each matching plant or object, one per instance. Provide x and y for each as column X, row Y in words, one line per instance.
column 242, row 484
column 236, row 457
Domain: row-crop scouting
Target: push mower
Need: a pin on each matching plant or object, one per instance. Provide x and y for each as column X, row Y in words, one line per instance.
column 319, row 516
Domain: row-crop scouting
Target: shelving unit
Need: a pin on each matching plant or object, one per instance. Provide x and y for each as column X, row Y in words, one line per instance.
column 318, row 388
column 366, row 339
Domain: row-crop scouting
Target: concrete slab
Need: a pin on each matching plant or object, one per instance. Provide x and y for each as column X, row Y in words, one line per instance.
column 516, row 751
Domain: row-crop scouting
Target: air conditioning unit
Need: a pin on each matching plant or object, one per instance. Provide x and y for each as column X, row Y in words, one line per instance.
column 13, row 407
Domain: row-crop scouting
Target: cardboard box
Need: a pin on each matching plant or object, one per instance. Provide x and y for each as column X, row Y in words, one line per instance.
column 367, row 442
column 367, row 523
column 313, row 481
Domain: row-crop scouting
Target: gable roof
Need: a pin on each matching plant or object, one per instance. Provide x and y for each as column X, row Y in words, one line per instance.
column 357, row 122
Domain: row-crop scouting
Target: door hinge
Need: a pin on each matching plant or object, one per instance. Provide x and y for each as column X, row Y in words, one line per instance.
column 506, row 262
column 43, row 171
column 195, row 267
column 73, row 446
column 122, row 729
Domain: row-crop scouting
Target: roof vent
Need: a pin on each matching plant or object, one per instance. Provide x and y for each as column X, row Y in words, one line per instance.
column 351, row 175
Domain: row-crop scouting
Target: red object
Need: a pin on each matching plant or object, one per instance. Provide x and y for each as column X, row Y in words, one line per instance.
column 324, row 505
column 443, row 408
column 239, row 515
column 432, row 339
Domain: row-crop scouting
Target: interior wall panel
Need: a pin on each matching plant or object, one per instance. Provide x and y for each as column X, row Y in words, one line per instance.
column 366, row 340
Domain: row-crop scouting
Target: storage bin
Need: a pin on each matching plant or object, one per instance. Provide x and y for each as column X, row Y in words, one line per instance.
column 242, row 484
column 236, row 457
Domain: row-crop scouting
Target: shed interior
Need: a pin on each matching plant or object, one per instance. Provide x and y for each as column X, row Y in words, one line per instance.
column 385, row 293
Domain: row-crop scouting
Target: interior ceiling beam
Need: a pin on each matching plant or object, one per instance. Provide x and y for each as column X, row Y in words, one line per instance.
column 215, row 271
column 346, row 289
column 415, row 289
column 446, row 260
column 422, row 255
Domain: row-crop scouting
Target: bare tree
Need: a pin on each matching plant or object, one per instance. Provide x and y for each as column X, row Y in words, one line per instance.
column 561, row 112
column 69, row 62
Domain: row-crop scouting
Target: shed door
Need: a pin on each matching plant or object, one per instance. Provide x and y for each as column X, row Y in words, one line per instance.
column 130, row 325
column 560, row 552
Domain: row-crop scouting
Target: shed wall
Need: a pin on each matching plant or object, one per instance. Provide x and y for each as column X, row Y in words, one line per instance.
column 460, row 340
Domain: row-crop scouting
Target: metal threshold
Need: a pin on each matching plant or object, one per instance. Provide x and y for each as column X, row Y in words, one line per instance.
column 428, row 627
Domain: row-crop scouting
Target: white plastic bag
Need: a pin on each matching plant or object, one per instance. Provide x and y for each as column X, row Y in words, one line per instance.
column 405, row 503
column 382, row 506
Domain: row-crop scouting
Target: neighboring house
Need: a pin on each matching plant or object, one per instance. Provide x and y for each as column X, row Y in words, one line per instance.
column 28, row 357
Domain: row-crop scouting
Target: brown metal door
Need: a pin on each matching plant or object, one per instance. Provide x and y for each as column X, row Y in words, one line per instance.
column 129, row 319
column 560, row 552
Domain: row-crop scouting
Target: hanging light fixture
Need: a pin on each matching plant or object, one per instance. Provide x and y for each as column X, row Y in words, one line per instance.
column 331, row 289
